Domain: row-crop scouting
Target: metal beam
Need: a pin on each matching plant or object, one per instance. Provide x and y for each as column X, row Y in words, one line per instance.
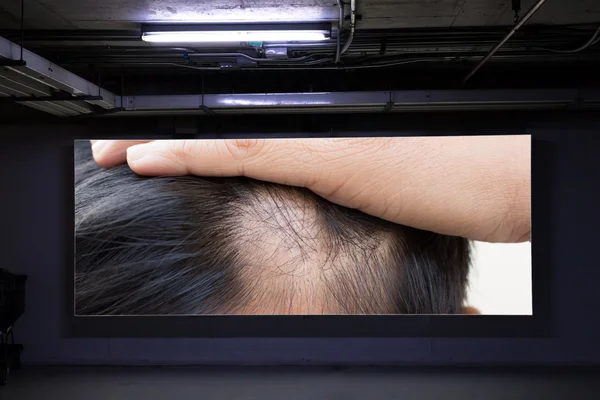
column 52, row 75
column 20, row 99
column 12, row 63
column 379, row 101
column 62, row 110
column 33, row 92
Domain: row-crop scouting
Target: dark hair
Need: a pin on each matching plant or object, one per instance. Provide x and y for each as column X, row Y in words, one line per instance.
column 191, row 245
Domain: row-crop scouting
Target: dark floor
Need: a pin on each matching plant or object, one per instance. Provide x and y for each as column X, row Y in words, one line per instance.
column 289, row 383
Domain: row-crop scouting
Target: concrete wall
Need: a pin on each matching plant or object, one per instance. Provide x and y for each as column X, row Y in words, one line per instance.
column 32, row 217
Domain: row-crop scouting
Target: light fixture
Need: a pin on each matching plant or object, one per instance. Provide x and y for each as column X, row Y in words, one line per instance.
column 221, row 33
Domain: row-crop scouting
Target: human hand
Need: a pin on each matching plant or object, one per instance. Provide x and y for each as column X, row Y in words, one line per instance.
column 478, row 187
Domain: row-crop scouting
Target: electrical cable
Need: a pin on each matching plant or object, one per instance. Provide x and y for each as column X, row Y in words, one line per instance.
column 237, row 54
column 219, row 69
column 339, row 32
column 352, row 26
column 188, row 66
column 263, row 60
column 347, row 67
column 338, row 67
column 592, row 41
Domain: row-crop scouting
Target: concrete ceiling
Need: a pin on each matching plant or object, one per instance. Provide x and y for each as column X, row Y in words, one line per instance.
column 126, row 14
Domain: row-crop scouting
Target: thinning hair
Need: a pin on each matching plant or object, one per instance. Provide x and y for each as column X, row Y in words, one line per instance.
column 190, row 245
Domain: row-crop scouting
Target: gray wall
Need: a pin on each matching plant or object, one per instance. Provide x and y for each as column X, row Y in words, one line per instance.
column 32, row 242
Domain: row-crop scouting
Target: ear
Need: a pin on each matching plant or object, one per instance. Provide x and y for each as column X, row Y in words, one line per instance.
column 471, row 311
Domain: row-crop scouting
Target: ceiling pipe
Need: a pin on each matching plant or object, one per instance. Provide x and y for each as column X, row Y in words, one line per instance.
column 485, row 59
column 339, row 31
column 352, row 26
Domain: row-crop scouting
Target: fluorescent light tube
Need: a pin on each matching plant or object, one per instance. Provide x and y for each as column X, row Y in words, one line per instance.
column 236, row 36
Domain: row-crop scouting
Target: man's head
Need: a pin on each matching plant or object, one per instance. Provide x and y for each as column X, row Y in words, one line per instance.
column 190, row 245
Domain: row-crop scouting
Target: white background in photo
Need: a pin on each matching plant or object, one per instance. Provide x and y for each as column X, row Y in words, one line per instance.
column 500, row 279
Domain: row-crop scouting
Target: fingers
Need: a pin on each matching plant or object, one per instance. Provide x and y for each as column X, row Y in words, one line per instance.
column 471, row 311
column 110, row 153
column 475, row 187
column 295, row 162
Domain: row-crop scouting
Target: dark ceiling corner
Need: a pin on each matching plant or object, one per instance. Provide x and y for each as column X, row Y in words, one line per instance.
column 13, row 112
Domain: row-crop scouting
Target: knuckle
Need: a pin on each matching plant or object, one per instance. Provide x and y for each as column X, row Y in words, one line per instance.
column 244, row 149
column 188, row 148
column 183, row 149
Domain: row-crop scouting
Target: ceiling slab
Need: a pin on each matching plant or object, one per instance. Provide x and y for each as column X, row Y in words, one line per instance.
column 409, row 8
column 118, row 14
column 8, row 20
column 487, row 12
column 575, row 11
column 406, row 22
column 385, row 14
column 390, row 14
column 448, row 13
column 499, row 12
column 36, row 13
